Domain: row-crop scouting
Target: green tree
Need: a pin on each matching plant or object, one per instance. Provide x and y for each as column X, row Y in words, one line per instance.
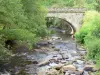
column 36, row 16
column 97, row 6
column 22, row 19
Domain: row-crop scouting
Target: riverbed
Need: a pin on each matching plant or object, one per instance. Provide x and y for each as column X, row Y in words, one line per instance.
column 57, row 55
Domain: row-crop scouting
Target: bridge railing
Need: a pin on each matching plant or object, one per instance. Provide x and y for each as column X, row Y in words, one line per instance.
column 66, row 10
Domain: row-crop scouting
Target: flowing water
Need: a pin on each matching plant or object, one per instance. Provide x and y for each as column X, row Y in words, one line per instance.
column 60, row 48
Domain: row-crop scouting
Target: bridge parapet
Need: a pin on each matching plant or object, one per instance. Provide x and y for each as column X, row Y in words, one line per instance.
column 67, row 10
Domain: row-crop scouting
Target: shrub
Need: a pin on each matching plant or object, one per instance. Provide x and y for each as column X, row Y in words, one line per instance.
column 93, row 47
column 4, row 54
column 18, row 34
column 89, row 35
column 89, row 23
column 79, row 36
column 96, row 30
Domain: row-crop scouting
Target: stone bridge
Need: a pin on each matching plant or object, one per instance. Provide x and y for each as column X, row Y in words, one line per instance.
column 72, row 16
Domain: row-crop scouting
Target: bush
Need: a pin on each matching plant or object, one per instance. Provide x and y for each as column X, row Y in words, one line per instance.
column 4, row 54
column 89, row 35
column 93, row 47
column 79, row 36
column 96, row 30
column 89, row 23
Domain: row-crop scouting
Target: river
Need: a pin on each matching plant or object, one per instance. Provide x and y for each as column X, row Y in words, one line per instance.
column 57, row 55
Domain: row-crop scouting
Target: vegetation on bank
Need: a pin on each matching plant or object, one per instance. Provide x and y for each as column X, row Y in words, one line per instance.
column 20, row 20
column 89, row 35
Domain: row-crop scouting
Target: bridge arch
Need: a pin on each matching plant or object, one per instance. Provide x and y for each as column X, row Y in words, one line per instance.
column 66, row 23
column 72, row 16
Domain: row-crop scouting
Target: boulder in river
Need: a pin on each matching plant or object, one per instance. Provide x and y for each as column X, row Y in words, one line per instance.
column 43, row 63
column 52, row 72
column 91, row 68
column 58, row 66
column 69, row 67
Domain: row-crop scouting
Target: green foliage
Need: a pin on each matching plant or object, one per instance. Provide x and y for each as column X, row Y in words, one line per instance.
column 21, row 20
column 58, row 3
column 35, row 13
column 18, row 34
column 89, row 23
column 89, row 4
column 4, row 54
column 11, row 13
column 90, row 35
column 93, row 48
column 96, row 30
column 79, row 36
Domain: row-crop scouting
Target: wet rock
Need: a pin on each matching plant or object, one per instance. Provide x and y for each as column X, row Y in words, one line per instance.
column 39, row 44
column 59, row 57
column 64, row 56
column 35, row 62
column 52, row 64
column 63, row 61
column 56, row 38
column 74, row 53
column 52, row 72
column 80, row 62
column 82, row 52
column 53, row 60
column 91, row 68
column 58, row 66
column 80, row 70
column 67, row 73
column 5, row 73
column 41, row 73
column 69, row 67
column 53, row 47
column 72, row 74
column 57, row 49
column 88, row 68
column 85, row 73
column 54, row 55
column 43, row 63
column 78, row 73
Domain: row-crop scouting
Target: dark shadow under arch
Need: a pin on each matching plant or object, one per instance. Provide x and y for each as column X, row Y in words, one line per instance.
column 68, row 23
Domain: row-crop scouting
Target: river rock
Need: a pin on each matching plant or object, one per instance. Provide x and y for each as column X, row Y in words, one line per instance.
column 52, row 72
column 69, row 67
column 82, row 52
column 72, row 74
column 58, row 66
column 63, row 61
column 45, row 62
column 5, row 74
column 40, row 73
column 90, row 68
column 53, row 46
column 55, row 38
column 67, row 73
column 80, row 62
column 56, row 49
column 85, row 73
column 64, row 56
column 78, row 73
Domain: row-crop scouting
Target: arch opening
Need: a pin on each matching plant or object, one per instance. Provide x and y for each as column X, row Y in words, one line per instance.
column 60, row 24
